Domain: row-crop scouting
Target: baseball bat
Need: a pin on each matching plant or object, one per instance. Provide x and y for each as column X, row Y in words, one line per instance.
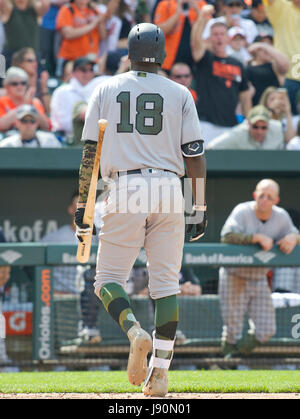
column 84, row 247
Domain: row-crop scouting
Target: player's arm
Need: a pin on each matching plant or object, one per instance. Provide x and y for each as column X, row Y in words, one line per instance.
column 195, row 161
column 85, row 175
column 237, row 238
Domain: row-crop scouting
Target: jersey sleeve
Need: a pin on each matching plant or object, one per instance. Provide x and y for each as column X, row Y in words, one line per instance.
column 235, row 222
column 91, row 130
column 287, row 225
column 191, row 129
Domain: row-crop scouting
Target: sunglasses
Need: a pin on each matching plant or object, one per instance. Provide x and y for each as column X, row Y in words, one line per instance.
column 181, row 76
column 86, row 70
column 235, row 5
column 18, row 83
column 28, row 121
column 30, row 60
column 264, row 127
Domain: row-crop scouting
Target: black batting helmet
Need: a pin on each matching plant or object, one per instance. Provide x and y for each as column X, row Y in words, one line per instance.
column 146, row 44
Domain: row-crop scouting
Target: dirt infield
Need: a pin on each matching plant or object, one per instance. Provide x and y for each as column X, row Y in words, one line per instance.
column 170, row 396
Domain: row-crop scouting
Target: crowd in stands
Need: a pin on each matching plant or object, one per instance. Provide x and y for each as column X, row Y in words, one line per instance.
column 233, row 55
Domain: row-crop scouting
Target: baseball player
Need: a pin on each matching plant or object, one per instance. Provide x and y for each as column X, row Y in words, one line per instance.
column 152, row 130
column 245, row 290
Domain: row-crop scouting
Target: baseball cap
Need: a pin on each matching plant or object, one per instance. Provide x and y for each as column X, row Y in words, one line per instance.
column 25, row 110
column 258, row 113
column 80, row 62
column 236, row 30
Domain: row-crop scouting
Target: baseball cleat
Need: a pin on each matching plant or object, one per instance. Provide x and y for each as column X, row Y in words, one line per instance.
column 140, row 346
column 157, row 383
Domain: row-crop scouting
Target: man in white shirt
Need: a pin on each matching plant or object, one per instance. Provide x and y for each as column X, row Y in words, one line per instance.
column 79, row 89
column 28, row 134
column 232, row 17
column 258, row 132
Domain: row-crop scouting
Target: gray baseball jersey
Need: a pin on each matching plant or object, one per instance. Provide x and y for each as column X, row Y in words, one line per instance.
column 244, row 220
column 165, row 118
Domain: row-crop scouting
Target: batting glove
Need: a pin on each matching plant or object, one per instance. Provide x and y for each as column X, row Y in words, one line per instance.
column 82, row 229
column 196, row 225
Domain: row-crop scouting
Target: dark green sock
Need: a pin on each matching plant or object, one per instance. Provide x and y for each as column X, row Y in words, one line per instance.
column 166, row 317
column 117, row 304
column 166, row 320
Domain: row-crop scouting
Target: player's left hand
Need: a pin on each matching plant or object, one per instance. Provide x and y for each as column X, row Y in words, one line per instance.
column 81, row 228
column 196, row 225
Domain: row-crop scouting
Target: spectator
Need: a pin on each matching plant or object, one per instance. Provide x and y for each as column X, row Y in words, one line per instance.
column 122, row 16
column 278, row 104
column 220, row 80
column 27, row 60
column 284, row 16
column 294, row 143
column 176, row 19
column 81, row 27
column 237, row 45
column 28, row 134
column 246, row 290
column 4, row 277
column 258, row 132
column 50, row 37
column 113, row 26
column 181, row 73
column 18, row 93
column 66, row 96
column 258, row 15
column 76, row 281
column 232, row 17
column 20, row 20
column 267, row 67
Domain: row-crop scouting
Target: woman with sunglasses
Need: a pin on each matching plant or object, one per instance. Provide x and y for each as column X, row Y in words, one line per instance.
column 26, row 59
column 18, row 93
column 277, row 101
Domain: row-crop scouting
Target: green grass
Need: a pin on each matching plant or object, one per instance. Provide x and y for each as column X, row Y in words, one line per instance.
column 180, row 381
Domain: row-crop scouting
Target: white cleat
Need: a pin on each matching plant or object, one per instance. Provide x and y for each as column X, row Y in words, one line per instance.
column 157, row 383
column 140, row 346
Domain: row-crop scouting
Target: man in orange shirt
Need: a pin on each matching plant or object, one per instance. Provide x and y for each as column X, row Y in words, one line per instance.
column 175, row 18
column 17, row 94
column 81, row 27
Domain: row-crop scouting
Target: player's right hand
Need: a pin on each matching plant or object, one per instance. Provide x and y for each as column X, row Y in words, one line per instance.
column 196, row 225
column 81, row 228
